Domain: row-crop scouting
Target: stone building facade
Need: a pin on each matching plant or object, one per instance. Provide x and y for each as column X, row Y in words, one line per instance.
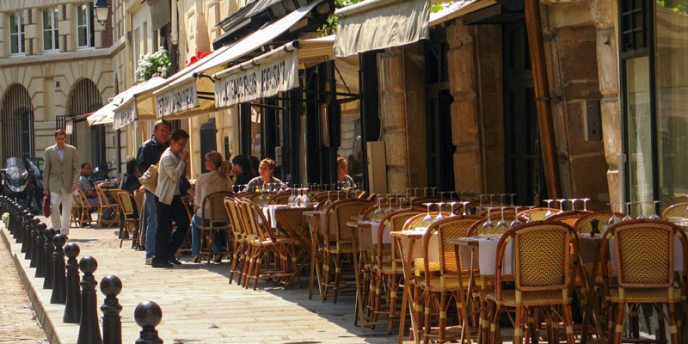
column 55, row 67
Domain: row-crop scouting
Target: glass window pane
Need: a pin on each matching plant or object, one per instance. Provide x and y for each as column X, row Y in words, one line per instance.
column 13, row 24
column 639, row 134
column 47, row 40
column 671, row 93
column 14, row 44
column 81, row 15
column 83, row 40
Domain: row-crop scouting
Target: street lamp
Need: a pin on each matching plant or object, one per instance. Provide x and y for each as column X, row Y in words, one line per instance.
column 102, row 9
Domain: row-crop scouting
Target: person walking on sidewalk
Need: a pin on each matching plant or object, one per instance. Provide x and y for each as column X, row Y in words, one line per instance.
column 172, row 168
column 61, row 178
column 148, row 155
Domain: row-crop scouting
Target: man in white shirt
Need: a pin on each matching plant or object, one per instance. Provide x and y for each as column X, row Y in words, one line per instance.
column 61, row 178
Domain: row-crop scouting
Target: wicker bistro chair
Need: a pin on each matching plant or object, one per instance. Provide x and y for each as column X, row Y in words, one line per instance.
column 387, row 271
column 81, row 213
column 338, row 242
column 263, row 244
column 104, row 203
column 537, row 214
column 438, row 290
column 239, row 243
column 568, row 217
column 291, row 224
column 131, row 219
column 675, row 210
column 280, row 198
column 215, row 219
column 544, row 262
column 644, row 267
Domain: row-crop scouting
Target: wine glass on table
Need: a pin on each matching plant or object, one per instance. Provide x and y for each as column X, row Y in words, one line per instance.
column 516, row 221
column 655, row 216
column 501, row 224
column 549, row 207
column 487, row 225
column 561, row 204
column 628, row 216
column 427, row 219
column 585, row 203
column 439, row 216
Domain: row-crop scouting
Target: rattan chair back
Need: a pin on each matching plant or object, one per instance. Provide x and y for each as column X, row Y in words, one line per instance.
column 568, row 217
column 447, row 230
column 537, row 214
column 675, row 210
column 213, row 208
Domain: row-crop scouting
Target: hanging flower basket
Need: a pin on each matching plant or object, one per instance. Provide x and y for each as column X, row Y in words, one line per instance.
column 155, row 64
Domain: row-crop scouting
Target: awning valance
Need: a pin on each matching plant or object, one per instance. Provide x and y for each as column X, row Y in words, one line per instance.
column 458, row 9
column 271, row 73
column 379, row 24
column 107, row 113
column 193, row 92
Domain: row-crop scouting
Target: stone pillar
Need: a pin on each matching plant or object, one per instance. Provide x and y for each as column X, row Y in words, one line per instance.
column 608, row 76
column 465, row 118
column 402, row 114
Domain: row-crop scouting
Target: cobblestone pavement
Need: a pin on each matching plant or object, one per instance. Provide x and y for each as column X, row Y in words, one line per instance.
column 18, row 322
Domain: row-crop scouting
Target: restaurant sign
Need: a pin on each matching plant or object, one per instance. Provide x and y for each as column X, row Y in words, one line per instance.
column 124, row 116
column 180, row 99
column 275, row 74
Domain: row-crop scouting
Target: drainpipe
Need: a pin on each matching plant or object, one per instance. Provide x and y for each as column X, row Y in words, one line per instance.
column 543, row 97
column 175, row 29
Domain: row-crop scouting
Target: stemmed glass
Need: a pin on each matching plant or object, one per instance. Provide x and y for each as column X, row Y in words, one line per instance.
column 640, row 211
column 464, row 203
column 491, row 199
column 561, row 204
column 614, row 219
column 379, row 212
column 628, row 216
column 655, row 216
column 516, row 221
column 390, row 200
column 585, row 203
column 549, row 207
column 439, row 211
column 512, row 195
column 428, row 217
column 502, row 223
column 453, row 205
column 292, row 196
column 573, row 203
column 487, row 226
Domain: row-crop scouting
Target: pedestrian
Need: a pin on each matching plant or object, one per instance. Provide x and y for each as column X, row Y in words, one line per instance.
column 173, row 163
column 61, row 178
column 241, row 170
column 149, row 154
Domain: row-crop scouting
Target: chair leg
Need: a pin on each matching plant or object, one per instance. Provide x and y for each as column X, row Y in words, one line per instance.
column 518, row 325
column 256, row 269
column 393, row 287
column 493, row 323
column 618, row 323
column 568, row 324
column 337, row 276
column 674, row 320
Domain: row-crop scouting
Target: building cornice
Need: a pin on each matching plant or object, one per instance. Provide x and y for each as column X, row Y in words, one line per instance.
column 66, row 56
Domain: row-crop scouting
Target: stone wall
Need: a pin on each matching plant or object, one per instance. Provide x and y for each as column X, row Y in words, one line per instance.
column 401, row 73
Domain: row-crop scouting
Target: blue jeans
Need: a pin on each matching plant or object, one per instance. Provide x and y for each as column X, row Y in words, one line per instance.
column 219, row 238
column 151, row 223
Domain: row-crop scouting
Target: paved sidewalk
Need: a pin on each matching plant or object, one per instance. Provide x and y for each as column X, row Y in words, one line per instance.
column 200, row 307
column 18, row 322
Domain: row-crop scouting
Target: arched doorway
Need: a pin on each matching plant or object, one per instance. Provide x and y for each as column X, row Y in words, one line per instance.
column 16, row 121
column 84, row 99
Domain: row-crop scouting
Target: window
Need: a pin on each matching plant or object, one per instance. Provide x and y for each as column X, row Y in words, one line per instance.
column 84, row 26
column 17, row 34
column 50, row 36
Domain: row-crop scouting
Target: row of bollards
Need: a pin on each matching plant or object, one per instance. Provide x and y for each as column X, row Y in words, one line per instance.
column 46, row 249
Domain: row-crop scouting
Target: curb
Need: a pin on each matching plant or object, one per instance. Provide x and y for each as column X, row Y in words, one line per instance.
column 41, row 313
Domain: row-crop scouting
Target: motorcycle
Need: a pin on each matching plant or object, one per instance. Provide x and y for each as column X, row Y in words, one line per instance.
column 22, row 181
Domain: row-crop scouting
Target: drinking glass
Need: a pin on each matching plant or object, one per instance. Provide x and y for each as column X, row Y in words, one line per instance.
column 655, row 216
column 628, row 216
column 585, row 203
column 640, row 211
column 402, row 200
column 516, row 221
column 439, row 211
column 573, row 203
column 561, row 204
column 502, row 223
column 453, row 205
column 549, row 207
column 487, row 226
column 464, row 203
column 614, row 219
column 502, row 197
column 428, row 217
column 491, row 197
column 512, row 196
column 434, row 191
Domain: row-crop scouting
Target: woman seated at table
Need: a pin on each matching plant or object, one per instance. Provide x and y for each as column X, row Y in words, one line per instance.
column 241, row 170
column 206, row 184
column 344, row 180
column 265, row 170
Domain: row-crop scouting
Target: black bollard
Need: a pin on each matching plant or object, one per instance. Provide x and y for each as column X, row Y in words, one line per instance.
column 26, row 214
column 15, row 218
column 111, row 286
column 72, row 312
column 48, row 257
column 31, row 243
column 89, row 330
column 35, row 252
column 148, row 315
column 40, row 249
column 59, row 294
column 25, row 228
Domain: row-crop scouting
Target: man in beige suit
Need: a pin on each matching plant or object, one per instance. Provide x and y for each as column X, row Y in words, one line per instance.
column 61, row 178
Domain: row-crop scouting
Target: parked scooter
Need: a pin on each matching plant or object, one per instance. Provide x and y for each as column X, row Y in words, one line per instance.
column 22, row 180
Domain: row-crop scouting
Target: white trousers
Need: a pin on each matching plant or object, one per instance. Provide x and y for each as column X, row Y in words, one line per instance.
column 66, row 199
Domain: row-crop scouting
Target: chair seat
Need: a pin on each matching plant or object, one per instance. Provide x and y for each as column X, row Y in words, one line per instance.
column 419, row 266
column 655, row 295
column 450, row 284
column 533, row 298
column 343, row 248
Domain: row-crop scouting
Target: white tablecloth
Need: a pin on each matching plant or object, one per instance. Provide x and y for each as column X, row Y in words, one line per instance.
column 269, row 213
column 486, row 259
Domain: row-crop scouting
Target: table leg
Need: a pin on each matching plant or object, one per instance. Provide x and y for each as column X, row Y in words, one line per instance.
column 357, row 280
column 465, row 327
column 590, row 305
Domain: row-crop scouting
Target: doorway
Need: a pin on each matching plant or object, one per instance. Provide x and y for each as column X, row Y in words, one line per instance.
column 523, row 157
column 439, row 129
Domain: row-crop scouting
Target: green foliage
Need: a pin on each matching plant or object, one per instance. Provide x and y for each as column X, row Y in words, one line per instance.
column 330, row 27
column 678, row 6
column 155, row 64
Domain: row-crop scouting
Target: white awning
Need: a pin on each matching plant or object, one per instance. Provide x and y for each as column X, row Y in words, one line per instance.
column 379, row 24
column 271, row 73
column 107, row 113
column 458, row 9
column 192, row 92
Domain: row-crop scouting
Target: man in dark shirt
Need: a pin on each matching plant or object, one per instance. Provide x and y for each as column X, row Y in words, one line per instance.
column 149, row 154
